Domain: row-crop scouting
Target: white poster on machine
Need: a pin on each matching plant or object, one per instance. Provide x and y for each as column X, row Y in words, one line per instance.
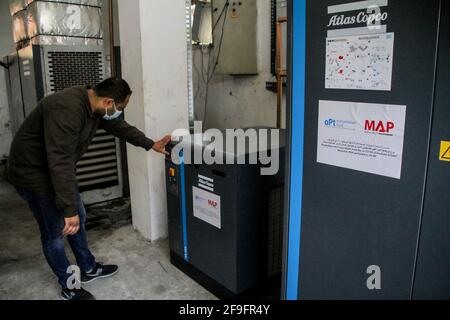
column 362, row 62
column 207, row 207
column 362, row 136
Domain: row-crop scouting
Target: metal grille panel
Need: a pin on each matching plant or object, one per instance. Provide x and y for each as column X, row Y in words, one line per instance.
column 275, row 245
column 68, row 69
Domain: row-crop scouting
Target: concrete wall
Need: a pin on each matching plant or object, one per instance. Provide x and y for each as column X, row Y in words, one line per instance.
column 154, row 62
column 6, row 47
column 236, row 102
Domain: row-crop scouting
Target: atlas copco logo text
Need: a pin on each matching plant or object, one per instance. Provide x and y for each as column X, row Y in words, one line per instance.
column 362, row 17
column 379, row 126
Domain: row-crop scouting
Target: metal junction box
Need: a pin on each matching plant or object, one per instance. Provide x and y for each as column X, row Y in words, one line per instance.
column 235, row 36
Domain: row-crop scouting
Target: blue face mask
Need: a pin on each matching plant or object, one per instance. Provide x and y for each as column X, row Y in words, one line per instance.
column 115, row 115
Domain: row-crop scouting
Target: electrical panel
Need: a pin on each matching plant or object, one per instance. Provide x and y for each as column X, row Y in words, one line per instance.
column 235, row 37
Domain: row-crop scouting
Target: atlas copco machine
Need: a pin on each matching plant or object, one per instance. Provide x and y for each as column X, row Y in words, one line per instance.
column 225, row 222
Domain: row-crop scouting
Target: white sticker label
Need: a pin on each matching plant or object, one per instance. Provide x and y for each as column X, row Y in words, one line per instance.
column 200, row 177
column 360, row 62
column 206, row 183
column 361, row 136
column 207, row 207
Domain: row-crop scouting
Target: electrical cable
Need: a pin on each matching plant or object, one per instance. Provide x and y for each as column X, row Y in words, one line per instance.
column 201, row 74
column 197, row 72
column 220, row 49
column 203, row 64
column 211, row 74
column 202, row 51
column 224, row 10
column 220, row 16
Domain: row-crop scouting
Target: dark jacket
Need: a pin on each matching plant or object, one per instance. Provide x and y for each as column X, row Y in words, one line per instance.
column 53, row 138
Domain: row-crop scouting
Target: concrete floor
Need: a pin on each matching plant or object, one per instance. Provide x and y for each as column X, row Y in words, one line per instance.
column 145, row 270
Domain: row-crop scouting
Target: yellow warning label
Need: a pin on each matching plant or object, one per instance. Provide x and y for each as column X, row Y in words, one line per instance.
column 444, row 155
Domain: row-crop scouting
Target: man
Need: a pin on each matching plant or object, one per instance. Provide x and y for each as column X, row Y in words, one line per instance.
column 42, row 167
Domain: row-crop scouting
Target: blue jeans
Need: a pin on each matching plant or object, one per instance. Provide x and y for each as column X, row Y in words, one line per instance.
column 51, row 224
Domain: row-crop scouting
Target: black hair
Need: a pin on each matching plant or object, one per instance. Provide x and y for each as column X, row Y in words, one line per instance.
column 113, row 88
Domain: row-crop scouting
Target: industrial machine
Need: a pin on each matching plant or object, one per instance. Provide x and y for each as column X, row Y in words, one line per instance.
column 226, row 224
column 368, row 205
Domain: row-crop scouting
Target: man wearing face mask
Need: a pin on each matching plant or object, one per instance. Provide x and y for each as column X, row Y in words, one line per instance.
column 42, row 167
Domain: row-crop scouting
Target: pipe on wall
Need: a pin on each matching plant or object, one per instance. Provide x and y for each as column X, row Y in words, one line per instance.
column 111, row 39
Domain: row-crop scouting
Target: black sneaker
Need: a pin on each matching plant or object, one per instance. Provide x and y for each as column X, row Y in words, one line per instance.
column 76, row 295
column 99, row 272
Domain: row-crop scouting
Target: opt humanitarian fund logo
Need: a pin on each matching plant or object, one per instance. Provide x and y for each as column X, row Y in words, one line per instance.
column 340, row 124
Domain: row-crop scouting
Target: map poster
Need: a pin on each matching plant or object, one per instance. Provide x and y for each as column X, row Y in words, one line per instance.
column 361, row 62
column 207, row 207
column 365, row 137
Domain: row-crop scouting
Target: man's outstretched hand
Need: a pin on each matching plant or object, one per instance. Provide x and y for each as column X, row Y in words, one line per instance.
column 160, row 146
